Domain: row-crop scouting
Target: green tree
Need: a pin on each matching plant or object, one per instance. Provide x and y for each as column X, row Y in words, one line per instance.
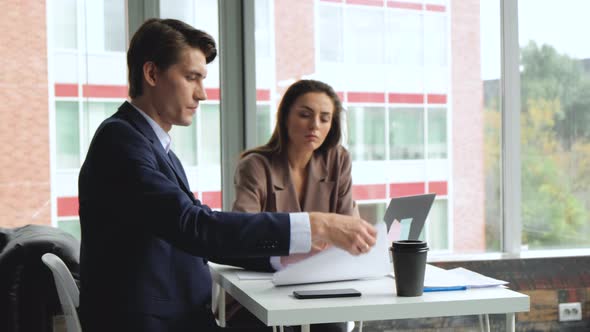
column 555, row 141
column 549, row 75
column 554, row 119
column 552, row 215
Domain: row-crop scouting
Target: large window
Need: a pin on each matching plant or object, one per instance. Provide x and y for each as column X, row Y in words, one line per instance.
column 555, row 124
column 421, row 83
column 413, row 89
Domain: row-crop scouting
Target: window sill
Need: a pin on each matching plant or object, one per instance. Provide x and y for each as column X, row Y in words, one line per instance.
column 532, row 254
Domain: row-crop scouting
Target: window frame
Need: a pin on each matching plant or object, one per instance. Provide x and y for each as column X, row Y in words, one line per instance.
column 238, row 68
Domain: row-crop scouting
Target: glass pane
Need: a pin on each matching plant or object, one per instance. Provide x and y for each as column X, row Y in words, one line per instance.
column 185, row 143
column 95, row 113
column 331, row 43
column 114, row 30
column 406, row 133
column 210, row 139
column 65, row 29
column 88, row 68
column 555, row 125
column 412, row 76
column 437, row 133
column 372, row 212
column 363, row 30
column 71, row 226
column 435, row 42
column 366, row 127
column 437, row 224
column 198, row 146
column 263, row 119
column 406, row 38
column 67, row 135
column 262, row 32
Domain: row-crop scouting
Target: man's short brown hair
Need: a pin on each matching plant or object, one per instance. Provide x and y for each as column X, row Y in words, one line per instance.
column 161, row 42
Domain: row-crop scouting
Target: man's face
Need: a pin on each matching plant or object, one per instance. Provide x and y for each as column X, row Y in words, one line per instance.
column 178, row 89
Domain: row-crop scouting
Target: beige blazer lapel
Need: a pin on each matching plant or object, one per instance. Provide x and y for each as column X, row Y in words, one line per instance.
column 318, row 188
column 283, row 197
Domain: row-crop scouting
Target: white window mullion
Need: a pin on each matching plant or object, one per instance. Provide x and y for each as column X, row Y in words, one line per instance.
column 511, row 158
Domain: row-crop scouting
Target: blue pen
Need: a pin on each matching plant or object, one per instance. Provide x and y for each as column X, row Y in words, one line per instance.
column 444, row 289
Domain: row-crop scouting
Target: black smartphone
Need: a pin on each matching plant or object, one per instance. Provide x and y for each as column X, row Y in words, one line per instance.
column 324, row 293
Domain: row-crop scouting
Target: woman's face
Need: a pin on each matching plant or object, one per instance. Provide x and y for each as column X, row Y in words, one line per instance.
column 309, row 121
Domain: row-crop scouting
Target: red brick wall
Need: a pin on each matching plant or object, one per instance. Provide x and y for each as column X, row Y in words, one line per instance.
column 295, row 39
column 467, row 145
column 24, row 135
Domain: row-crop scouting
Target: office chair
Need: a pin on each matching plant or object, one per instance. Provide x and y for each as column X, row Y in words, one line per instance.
column 67, row 290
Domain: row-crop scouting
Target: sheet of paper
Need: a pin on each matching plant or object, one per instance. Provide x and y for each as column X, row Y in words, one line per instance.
column 475, row 280
column 458, row 277
column 252, row 275
column 335, row 264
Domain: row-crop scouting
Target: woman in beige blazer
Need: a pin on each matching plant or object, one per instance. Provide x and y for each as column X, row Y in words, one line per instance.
column 303, row 167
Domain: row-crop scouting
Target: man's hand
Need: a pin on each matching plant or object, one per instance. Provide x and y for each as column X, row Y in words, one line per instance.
column 349, row 233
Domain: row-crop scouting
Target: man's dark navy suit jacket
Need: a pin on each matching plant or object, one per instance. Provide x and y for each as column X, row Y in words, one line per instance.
column 145, row 238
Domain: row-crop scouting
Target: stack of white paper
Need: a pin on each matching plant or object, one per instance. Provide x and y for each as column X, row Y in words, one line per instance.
column 436, row 277
column 335, row 264
column 462, row 277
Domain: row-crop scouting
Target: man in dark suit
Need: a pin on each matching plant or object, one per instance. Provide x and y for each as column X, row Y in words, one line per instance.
column 145, row 238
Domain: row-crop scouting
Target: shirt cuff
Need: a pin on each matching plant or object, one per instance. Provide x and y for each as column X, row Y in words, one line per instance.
column 275, row 262
column 300, row 233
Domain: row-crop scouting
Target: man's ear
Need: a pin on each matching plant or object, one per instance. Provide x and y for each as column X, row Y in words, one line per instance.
column 150, row 73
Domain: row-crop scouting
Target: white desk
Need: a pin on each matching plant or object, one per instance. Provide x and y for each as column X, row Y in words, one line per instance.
column 276, row 306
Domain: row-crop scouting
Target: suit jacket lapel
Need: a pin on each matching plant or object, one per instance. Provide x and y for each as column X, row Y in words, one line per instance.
column 129, row 113
column 179, row 170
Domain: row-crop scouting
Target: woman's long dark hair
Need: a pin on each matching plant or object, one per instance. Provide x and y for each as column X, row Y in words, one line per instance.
column 279, row 140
